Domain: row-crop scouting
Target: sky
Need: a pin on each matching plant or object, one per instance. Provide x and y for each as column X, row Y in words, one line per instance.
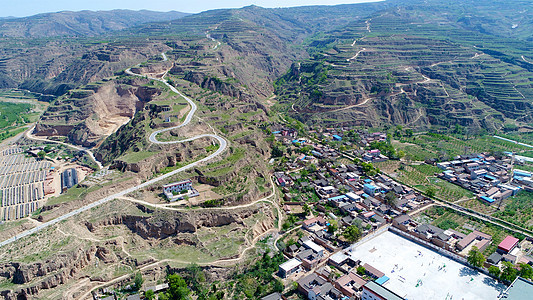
column 22, row 8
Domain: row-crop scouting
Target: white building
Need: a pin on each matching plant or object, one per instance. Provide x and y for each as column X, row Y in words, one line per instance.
column 173, row 191
column 289, row 267
column 315, row 247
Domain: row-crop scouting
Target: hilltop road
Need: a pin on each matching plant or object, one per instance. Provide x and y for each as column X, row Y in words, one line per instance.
column 222, row 146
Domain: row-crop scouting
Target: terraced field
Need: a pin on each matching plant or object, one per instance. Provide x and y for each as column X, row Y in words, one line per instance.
column 412, row 67
column 427, row 146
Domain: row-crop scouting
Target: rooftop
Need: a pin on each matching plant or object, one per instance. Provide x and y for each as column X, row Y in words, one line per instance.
column 518, row 290
column 290, row 264
column 408, row 264
column 508, row 243
column 382, row 291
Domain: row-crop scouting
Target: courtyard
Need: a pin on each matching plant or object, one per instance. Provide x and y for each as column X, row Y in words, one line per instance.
column 418, row 273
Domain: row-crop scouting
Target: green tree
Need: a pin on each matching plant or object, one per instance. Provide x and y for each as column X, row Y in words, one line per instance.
column 195, row 276
column 494, row 271
column 352, row 233
column 526, row 271
column 361, row 270
column 509, row 273
column 138, row 281
column 400, row 154
column 149, row 295
column 177, row 287
column 368, row 168
column 333, row 226
column 475, row 258
column 41, row 154
column 307, row 209
column 384, row 147
column 305, row 149
column 391, row 198
column 278, row 286
column 431, row 192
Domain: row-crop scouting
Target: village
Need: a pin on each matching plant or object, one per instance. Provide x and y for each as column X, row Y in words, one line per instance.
column 360, row 237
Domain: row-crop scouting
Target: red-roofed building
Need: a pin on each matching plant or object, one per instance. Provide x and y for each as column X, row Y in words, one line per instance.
column 508, row 244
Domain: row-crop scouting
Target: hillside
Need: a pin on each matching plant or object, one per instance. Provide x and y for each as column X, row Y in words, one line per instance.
column 415, row 65
column 82, row 23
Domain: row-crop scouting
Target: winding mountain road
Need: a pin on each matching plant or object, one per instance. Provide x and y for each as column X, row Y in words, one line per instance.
column 29, row 135
column 222, row 142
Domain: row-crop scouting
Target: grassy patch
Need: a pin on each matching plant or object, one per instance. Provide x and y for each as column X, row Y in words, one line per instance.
column 518, row 210
column 422, row 177
column 135, row 157
column 426, row 146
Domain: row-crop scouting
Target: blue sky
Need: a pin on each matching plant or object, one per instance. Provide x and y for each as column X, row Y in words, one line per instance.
column 21, row 8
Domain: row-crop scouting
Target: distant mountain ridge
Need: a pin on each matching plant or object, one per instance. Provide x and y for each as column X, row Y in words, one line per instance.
column 81, row 23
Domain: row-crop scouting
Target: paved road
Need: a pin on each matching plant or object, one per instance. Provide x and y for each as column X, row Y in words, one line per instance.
column 222, row 142
column 509, row 140
column 89, row 152
column 188, row 119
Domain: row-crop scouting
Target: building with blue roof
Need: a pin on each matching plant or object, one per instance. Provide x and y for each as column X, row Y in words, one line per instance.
column 490, row 177
column 337, row 137
column 297, row 142
column 316, row 153
column 522, row 173
column 370, row 189
column 338, row 198
column 487, row 199
column 382, row 280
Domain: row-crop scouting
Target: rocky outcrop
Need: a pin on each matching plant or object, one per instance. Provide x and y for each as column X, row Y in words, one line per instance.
column 85, row 116
column 42, row 129
column 166, row 224
column 49, row 274
column 151, row 165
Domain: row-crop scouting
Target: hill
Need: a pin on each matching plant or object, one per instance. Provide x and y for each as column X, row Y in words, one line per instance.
column 420, row 64
column 82, row 23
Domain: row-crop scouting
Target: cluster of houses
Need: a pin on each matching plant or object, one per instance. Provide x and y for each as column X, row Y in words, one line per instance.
column 460, row 244
column 325, row 283
column 285, row 133
column 345, row 188
column 320, row 285
column 483, row 174
column 339, row 275
column 364, row 136
column 361, row 202
column 524, row 178
column 342, row 276
column 373, row 156
column 343, row 194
